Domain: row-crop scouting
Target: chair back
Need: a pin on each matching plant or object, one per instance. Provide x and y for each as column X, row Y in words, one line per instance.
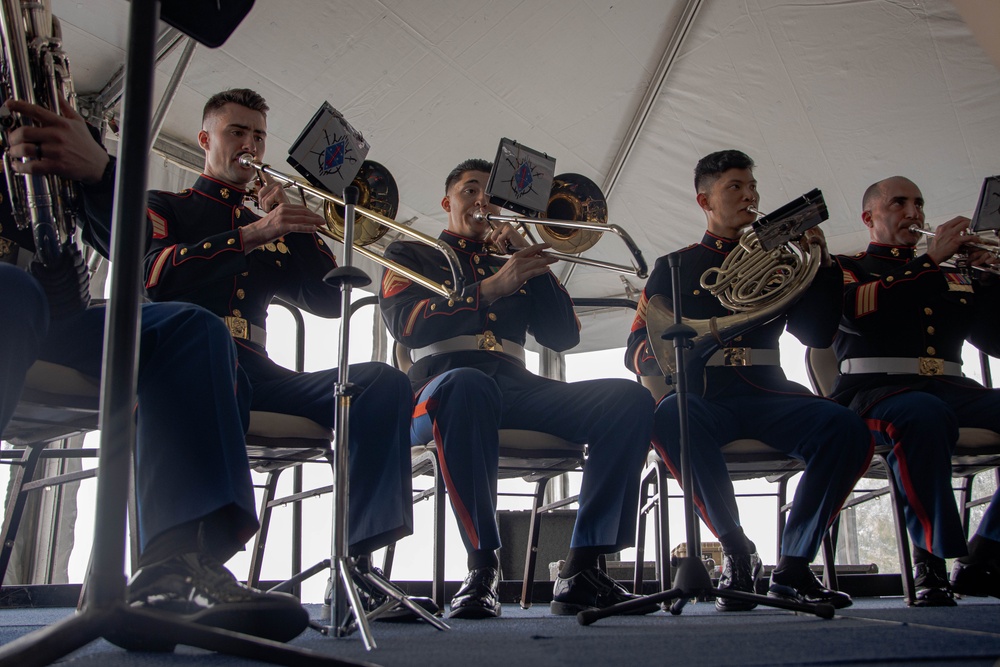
column 823, row 369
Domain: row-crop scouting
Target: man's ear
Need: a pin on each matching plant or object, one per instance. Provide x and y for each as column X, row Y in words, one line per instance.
column 203, row 139
column 866, row 217
column 446, row 203
column 703, row 202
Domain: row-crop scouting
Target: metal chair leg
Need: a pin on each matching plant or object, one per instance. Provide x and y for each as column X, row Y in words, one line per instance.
column 25, row 472
column 260, row 540
column 531, row 554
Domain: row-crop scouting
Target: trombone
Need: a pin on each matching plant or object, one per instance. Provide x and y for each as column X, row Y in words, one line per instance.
column 586, row 205
column 991, row 248
column 457, row 279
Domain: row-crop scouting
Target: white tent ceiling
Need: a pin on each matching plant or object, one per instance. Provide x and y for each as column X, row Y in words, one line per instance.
column 822, row 94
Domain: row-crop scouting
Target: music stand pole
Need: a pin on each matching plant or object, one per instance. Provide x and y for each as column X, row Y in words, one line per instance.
column 345, row 604
column 692, row 579
column 103, row 612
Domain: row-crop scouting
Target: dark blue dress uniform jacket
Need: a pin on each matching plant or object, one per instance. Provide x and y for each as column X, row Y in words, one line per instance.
column 197, row 255
column 191, row 458
column 813, row 320
column 897, row 304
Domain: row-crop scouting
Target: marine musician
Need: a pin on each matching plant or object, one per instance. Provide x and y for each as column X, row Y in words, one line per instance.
column 470, row 379
column 746, row 395
column 906, row 318
column 209, row 248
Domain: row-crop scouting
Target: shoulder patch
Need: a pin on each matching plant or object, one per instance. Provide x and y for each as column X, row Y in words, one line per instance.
column 393, row 283
column 159, row 224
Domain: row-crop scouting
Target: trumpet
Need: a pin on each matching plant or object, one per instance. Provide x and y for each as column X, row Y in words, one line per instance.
column 579, row 197
column 991, row 248
column 331, row 231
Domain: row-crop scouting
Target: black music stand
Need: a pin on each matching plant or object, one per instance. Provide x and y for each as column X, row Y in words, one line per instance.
column 692, row 578
column 345, row 604
column 103, row 612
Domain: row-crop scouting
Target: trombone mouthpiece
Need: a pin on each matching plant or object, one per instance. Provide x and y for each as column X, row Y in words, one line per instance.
column 246, row 160
column 479, row 215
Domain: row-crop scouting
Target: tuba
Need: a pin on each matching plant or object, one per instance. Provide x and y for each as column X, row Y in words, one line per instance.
column 35, row 69
column 759, row 280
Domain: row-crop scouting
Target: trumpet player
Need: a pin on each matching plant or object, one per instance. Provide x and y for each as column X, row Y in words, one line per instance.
column 196, row 506
column 905, row 320
column 470, row 379
column 746, row 395
column 207, row 247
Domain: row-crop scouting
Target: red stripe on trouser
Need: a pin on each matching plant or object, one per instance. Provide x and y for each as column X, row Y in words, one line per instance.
column 677, row 475
column 461, row 512
column 912, row 499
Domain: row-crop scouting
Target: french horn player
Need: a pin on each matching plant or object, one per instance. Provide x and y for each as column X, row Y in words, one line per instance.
column 745, row 394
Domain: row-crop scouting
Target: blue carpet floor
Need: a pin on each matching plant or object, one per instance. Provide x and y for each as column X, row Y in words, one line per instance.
column 872, row 632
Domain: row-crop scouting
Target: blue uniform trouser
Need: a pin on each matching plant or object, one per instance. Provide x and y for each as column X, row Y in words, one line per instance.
column 24, row 320
column 830, row 439
column 191, row 456
column 920, row 429
column 380, row 505
column 463, row 409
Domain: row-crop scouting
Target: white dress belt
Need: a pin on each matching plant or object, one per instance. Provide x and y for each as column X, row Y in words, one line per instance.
column 484, row 342
column 900, row 366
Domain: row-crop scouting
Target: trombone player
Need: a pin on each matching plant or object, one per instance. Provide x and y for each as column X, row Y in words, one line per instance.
column 208, row 248
column 754, row 399
column 471, row 381
column 905, row 320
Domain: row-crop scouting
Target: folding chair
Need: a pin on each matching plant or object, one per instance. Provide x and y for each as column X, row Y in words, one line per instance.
column 531, row 455
column 57, row 402
column 977, row 450
column 745, row 459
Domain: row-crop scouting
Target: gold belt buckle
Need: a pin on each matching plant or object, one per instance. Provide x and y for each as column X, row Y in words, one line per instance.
column 736, row 356
column 488, row 341
column 238, row 327
column 930, row 366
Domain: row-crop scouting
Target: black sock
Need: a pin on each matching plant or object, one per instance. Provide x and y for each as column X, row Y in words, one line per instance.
column 174, row 541
column 790, row 570
column 736, row 542
column 480, row 558
column 580, row 559
column 211, row 534
column 924, row 556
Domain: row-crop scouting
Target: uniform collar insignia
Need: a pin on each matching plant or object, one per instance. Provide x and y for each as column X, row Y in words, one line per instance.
column 904, row 253
column 718, row 243
column 462, row 243
column 224, row 192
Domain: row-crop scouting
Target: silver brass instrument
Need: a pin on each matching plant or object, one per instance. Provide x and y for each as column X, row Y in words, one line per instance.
column 576, row 216
column 991, row 248
column 759, row 284
column 331, row 230
column 35, row 69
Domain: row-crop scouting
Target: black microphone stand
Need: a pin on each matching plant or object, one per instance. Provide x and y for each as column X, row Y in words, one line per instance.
column 103, row 611
column 346, row 610
column 692, row 579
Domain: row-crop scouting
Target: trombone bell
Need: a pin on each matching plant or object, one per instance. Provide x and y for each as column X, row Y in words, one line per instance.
column 377, row 192
column 574, row 198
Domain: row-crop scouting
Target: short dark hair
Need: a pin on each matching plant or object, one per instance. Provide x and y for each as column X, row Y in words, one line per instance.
column 472, row 164
column 713, row 165
column 242, row 96
column 873, row 192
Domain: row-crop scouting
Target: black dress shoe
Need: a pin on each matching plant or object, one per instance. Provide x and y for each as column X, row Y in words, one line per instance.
column 591, row 589
column 977, row 579
column 805, row 587
column 478, row 597
column 931, row 581
column 199, row 588
column 739, row 573
column 372, row 598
